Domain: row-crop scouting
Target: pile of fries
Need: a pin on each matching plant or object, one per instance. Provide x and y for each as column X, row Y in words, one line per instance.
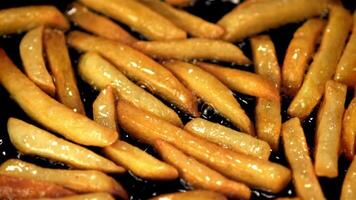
column 177, row 63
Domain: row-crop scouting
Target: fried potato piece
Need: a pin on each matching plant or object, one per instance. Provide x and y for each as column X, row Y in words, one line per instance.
column 139, row 17
column 31, row 51
column 296, row 150
column 97, row 24
column 90, row 196
column 324, row 64
column 348, row 191
column 348, row 135
column 20, row 19
column 191, row 195
column 139, row 68
column 82, row 181
column 300, row 51
column 229, row 138
column 289, row 198
column 99, row 73
column 50, row 113
column 180, row 2
column 213, row 92
column 267, row 14
column 255, row 172
column 193, row 48
column 31, row 140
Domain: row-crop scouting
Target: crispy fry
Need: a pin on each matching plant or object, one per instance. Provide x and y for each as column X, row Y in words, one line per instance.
column 348, row 135
column 193, row 48
column 17, row 20
column 100, row 73
column 229, row 138
column 348, row 191
column 139, row 17
column 90, row 196
column 324, row 63
column 50, row 113
column 213, row 92
column 295, row 146
column 328, row 130
column 82, row 181
column 97, row 24
column 191, row 195
column 240, row 23
column 138, row 67
column 29, row 139
column 289, row 198
column 199, row 175
column 179, row 2
column 31, row 51
column 252, row 171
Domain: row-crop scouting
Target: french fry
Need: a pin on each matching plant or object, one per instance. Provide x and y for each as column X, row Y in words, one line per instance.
column 300, row 51
column 179, row 2
column 193, row 48
column 17, row 20
column 289, row 198
column 50, row 113
column 62, row 71
column 242, row 81
column 267, row 14
column 199, row 175
column 296, row 150
column 348, row 135
column 328, row 130
column 229, row 138
column 324, row 64
column 31, row 51
column 191, row 195
column 139, row 68
column 31, row 140
column 255, row 172
column 213, row 92
column 90, row 196
column 99, row 73
column 348, row 191
column 195, row 26
column 82, row 181
column 139, row 17
column 97, row 24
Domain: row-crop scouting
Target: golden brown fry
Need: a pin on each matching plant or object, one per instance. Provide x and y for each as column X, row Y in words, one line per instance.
column 255, row 172
column 31, row 51
column 199, row 175
column 17, row 20
column 50, row 113
column 348, row 191
column 193, row 48
column 240, row 23
column 300, row 51
column 31, row 140
column 213, row 92
column 348, row 135
column 289, row 198
column 139, row 17
column 90, row 196
column 139, row 68
column 324, row 64
column 99, row 73
column 242, row 81
column 229, row 138
column 81, row 181
column 179, row 2
column 328, row 130
column 97, row 24
column 191, row 195
column 295, row 146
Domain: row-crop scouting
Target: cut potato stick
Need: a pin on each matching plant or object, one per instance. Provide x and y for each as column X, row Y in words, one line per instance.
column 289, row 198
column 90, row 196
column 199, row 175
column 97, row 24
column 82, row 181
column 328, row 130
column 229, row 138
column 50, row 113
column 139, row 68
column 324, row 64
column 31, row 140
column 295, row 146
column 17, row 20
column 62, row 71
column 242, row 81
column 193, row 48
column 255, row 172
column 213, row 92
column 192, row 195
column 179, row 2
column 195, row 26
column 348, row 191
column 139, row 17
column 31, row 51
column 348, row 135
column 300, row 51
column 267, row 14
column 99, row 73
